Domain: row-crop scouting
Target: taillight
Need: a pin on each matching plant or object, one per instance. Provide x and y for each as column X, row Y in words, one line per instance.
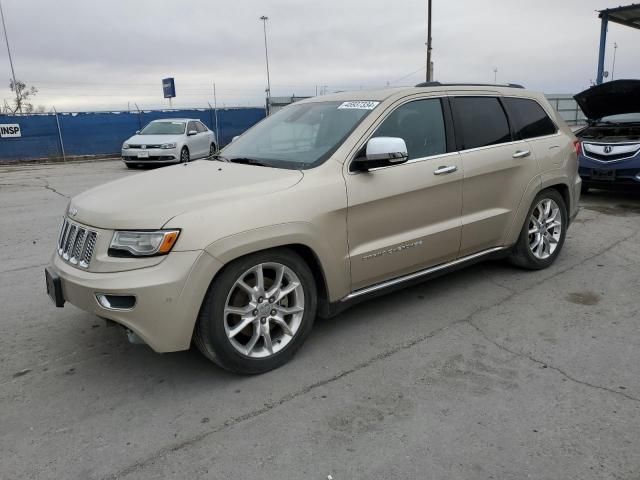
column 577, row 146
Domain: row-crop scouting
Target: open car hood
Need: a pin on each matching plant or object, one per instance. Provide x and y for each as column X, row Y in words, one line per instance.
column 610, row 98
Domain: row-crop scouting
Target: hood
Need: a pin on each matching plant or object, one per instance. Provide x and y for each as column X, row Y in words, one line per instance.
column 153, row 139
column 148, row 200
column 610, row 98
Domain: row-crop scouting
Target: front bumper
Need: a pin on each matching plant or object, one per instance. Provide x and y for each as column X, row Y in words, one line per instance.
column 155, row 155
column 168, row 296
column 622, row 172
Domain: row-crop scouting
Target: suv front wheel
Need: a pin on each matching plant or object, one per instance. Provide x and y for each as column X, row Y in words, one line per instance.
column 543, row 232
column 258, row 311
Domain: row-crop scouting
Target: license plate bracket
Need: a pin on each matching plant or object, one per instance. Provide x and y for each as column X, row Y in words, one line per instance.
column 603, row 175
column 54, row 287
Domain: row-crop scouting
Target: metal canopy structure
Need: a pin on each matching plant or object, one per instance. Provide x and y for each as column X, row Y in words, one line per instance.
column 627, row 15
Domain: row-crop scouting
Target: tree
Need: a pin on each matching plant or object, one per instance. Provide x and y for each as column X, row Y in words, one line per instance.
column 23, row 94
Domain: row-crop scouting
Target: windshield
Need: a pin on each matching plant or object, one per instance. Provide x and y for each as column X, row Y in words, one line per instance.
column 299, row 136
column 622, row 118
column 163, row 128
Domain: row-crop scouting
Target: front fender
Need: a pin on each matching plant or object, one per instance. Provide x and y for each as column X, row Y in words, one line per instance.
column 333, row 261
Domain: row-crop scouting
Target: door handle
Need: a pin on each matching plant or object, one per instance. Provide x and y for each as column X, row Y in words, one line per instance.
column 521, row 153
column 445, row 169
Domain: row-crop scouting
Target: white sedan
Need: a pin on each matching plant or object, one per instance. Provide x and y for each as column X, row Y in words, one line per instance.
column 176, row 140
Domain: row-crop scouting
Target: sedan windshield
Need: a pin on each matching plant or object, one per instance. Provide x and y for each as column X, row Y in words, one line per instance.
column 163, row 128
column 299, row 136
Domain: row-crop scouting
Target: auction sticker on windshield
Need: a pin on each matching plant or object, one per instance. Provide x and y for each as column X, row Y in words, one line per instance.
column 359, row 105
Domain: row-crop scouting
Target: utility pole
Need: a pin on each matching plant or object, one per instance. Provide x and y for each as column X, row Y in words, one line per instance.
column 215, row 110
column 13, row 73
column 429, row 71
column 495, row 74
column 264, row 19
column 613, row 67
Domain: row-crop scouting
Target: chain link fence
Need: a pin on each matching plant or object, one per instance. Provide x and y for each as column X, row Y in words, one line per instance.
column 55, row 136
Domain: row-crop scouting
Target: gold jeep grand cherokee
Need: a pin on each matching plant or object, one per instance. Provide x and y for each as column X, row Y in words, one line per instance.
column 329, row 201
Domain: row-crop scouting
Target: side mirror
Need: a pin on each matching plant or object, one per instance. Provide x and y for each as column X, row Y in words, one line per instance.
column 137, row 132
column 192, row 132
column 382, row 152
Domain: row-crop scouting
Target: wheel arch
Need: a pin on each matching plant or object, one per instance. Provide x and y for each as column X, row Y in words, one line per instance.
column 563, row 190
column 535, row 187
column 331, row 272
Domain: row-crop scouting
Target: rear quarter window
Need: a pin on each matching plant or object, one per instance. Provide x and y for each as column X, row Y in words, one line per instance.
column 480, row 121
column 529, row 118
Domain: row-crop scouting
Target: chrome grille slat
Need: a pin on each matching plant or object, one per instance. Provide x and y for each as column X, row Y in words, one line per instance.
column 76, row 244
column 63, row 240
column 88, row 250
column 70, row 239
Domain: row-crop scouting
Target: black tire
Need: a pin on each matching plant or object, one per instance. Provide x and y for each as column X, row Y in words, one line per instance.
column 521, row 254
column 210, row 336
column 213, row 149
column 184, row 155
column 584, row 188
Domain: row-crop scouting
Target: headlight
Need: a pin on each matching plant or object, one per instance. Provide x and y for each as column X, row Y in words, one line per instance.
column 125, row 146
column 168, row 145
column 142, row 244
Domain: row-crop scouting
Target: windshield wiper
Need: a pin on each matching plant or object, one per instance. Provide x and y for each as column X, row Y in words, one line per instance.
column 248, row 161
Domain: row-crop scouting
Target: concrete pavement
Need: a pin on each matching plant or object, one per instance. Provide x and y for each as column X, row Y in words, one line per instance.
column 490, row 372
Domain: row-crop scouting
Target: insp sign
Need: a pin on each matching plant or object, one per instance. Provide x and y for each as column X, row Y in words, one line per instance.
column 10, row 130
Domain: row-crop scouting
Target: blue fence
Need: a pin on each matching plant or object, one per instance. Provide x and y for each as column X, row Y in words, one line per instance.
column 102, row 133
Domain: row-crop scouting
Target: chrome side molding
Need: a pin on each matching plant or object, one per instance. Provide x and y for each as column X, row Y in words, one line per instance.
column 418, row 274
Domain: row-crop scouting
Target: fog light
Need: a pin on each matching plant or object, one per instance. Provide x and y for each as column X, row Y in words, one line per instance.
column 116, row 302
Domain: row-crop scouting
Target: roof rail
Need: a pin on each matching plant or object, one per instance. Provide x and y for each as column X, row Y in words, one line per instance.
column 439, row 84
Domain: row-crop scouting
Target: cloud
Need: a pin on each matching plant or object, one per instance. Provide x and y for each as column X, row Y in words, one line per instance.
column 102, row 55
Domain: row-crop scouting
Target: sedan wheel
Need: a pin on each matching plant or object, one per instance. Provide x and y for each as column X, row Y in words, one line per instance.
column 212, row 150
column 184, row 156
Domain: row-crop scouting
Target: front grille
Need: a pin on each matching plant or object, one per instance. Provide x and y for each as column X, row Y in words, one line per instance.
column 76, row 244
column 146, row 146
column 610, row 152
column 609, row 158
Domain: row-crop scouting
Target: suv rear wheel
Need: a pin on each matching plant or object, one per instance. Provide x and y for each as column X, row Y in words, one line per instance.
column 258, row 311
column 543, row 232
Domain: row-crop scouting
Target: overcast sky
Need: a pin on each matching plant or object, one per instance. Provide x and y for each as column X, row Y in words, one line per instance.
column 90, row 54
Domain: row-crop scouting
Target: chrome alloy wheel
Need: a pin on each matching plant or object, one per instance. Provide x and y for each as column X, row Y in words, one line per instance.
column 545, row 228
column 264, row 310
column 184, row 156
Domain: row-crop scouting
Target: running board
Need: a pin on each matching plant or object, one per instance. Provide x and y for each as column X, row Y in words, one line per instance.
column 421, row 273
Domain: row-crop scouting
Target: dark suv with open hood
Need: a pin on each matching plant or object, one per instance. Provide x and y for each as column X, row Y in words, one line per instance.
column 609, row 152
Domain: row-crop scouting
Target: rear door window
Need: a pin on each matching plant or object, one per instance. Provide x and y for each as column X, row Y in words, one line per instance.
column 420, row 124
column 529, row 118
column 480, row 121
column 201, row 127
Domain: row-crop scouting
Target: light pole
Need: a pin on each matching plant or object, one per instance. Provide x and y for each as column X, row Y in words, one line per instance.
column 613, row 67
column 429, row 71
column 495, row 74
column 266, row 56
column 13, row 73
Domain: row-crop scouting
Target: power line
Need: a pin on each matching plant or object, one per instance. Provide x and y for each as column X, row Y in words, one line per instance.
column 13, row 73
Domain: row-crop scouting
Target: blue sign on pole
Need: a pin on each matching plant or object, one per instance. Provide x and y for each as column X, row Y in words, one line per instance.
column 169, row 87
